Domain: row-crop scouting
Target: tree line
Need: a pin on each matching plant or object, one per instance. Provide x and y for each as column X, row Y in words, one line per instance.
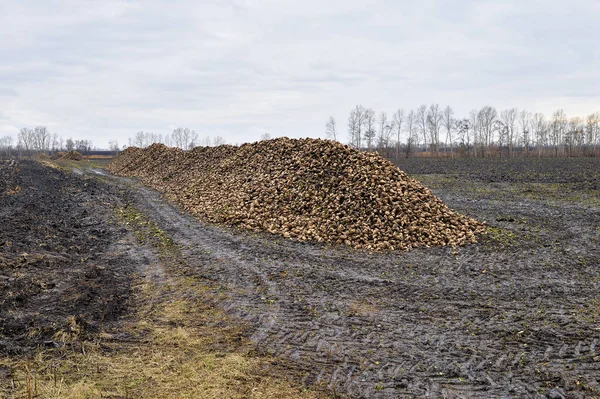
column 181, row 137
column 436, row 131
column 39, row 140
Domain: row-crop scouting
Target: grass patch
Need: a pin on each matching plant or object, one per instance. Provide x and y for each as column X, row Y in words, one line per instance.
column 70, row 165
column 500, row 236
column 565, row 192
column 362, row 308
column 182, row 348
column 146, row 231
column 175, row 344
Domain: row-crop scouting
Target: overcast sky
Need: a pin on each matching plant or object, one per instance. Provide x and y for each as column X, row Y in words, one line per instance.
column 103, row 70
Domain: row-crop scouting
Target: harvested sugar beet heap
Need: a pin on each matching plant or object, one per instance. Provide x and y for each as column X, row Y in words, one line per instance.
column 68, row 156
column 306, row 189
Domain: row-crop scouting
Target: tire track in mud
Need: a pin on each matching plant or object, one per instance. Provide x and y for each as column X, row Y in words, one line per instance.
column 480, row 322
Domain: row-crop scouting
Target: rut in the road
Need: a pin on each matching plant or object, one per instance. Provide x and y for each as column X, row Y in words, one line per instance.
column 311, row 190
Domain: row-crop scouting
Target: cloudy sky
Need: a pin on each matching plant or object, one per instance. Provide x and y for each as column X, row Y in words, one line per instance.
column 103, row 70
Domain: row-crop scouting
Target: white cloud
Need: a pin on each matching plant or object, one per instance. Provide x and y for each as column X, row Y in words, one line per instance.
column 234, row 68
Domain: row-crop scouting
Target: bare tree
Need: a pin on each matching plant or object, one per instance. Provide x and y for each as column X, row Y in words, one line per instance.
column 476, row 136
column 80, row 145
column 177, row 137
column 411, row 136
column 113, row 146
column 187, row 139
column 575, row 135
column 150, row 138
column 356, row 120
column 41, row 138
column 265, row 136
column 352, row 127
column 140, row 140
column 592, row 133
column 398, row 121
column 370, row 131
column 502, row 129
column 508, row 118
column 184, row 138
column 54, row 142
column 218, row 140
column 448, row 123
column 511, row 132
column 525, row 127
column 383, row 123
column 330, row 128
column 83, row 146
column 385, row 130
column 26, row 139
column 422, row 123
column 360, row 115
column 6, row 143
column 192, row 139
column 486, row 120
column 540, row 130
column 434, row 123
column 463, row 130
column 557, row 130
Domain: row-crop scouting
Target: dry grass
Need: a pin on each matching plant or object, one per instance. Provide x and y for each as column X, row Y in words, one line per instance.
column 15, row 190
column 181, row 349
column 362, row 308
column 176, row 344
column 98, row 156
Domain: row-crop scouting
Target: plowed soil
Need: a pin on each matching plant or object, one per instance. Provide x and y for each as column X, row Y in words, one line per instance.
column 57, row 253
column 517, row 315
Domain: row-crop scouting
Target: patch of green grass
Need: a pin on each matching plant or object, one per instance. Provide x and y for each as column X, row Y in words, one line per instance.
column 590, row 312
column 501, row 236
column 146, row 230
column 180, row 346
column 565, row 192
column 70, row 165
column 435, row 180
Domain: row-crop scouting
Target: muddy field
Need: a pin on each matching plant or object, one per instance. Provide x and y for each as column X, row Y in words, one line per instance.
column 57, row 251
column 517, row 315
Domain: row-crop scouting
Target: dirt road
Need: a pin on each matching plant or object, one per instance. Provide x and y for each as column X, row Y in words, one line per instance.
column 517, row 315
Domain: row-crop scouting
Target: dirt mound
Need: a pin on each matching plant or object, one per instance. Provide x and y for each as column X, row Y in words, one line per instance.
column 306, row 189
column 67, row 156
column 72, row 156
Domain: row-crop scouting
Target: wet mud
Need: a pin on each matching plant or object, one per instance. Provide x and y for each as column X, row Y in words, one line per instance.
column 61, row 271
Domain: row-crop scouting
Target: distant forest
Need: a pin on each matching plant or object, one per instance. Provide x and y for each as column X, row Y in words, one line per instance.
column 435, row 131
column 426, row 131
column 40, row 141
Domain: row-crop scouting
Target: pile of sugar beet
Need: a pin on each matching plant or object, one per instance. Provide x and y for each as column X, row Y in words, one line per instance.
column 307, row 189
column 67, row 156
